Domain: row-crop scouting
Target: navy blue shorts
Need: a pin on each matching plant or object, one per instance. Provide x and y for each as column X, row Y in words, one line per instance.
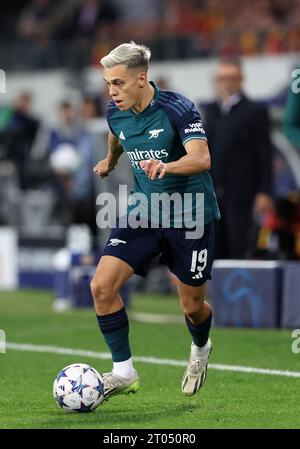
column 189, row 259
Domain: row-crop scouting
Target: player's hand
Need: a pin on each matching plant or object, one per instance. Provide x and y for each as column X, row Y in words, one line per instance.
column 154, row 168
column 102, row 168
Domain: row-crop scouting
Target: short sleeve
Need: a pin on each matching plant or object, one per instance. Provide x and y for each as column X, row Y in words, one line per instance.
column 189, row 126
column 183, row 116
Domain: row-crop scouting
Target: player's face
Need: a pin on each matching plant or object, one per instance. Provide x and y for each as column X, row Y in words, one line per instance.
column 125, row 85
column 228, row 80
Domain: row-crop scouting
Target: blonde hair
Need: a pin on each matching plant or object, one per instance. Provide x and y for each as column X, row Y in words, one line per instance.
column 130, row 54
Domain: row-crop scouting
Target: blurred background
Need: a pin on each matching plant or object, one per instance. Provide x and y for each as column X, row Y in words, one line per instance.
column 222, row 55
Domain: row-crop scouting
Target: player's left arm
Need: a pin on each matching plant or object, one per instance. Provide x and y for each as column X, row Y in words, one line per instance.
column 196, row 160
column 191, row 132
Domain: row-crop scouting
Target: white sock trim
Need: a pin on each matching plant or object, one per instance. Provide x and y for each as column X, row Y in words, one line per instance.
column 199, row 351
column 123, row 369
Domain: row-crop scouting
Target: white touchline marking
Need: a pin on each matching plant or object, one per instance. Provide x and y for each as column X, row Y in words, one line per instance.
column 156, row 318
column 150, row 360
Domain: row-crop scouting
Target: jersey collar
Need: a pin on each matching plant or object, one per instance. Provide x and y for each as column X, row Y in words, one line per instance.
column 156, row 93
column 152, row 102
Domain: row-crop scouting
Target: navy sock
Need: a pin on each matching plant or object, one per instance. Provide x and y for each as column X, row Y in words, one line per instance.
column 199, row 333
column 115, row 330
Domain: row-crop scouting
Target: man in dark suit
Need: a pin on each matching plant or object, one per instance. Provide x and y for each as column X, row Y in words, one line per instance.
column 238, row 136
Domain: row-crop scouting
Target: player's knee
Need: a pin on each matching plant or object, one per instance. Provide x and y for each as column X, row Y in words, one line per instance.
column 192, row 307
column 102, row 291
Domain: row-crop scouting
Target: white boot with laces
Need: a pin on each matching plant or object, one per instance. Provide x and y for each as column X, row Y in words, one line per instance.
column 114, row 384
column 195, row 374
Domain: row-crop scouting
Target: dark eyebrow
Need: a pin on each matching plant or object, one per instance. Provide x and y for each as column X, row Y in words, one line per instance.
column 115, row 80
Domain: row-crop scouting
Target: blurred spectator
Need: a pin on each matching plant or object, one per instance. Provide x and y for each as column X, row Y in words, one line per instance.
column 291, row 128
column 280, row 9
column 293, row 39
column 6, row 114
column 36, row 20
column 67, row 128
column 18, row 134
column 91, row 108
column 249, row 43
column 36, row 28
column 139, row 13
column 238, row 137
column 278, row 234
column 70, row 143
column 139, row 19
column 284, row 181
column 91, row 24
column 291, row 122
column 78, row 33
column 91, row 117
column 275, row 41
column 92, row 14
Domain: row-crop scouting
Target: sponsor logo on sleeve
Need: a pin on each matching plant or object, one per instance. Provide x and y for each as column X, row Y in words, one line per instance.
column 195, row 128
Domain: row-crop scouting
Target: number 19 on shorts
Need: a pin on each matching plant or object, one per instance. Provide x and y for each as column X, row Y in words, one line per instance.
column 199, row 262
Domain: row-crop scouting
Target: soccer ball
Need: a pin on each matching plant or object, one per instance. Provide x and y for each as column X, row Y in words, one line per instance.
column 78, row 388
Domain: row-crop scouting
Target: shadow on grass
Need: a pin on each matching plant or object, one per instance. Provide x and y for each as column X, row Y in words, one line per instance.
column 118, row 415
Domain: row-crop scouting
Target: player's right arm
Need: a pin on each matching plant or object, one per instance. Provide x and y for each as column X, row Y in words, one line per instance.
column 114, row 152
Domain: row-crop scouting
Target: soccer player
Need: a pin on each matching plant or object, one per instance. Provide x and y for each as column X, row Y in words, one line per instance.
column 162, row 134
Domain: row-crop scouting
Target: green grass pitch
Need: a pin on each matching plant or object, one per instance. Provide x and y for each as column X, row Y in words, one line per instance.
column 227, row 400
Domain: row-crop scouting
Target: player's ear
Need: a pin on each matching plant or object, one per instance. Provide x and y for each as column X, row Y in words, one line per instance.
column 142, row 79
